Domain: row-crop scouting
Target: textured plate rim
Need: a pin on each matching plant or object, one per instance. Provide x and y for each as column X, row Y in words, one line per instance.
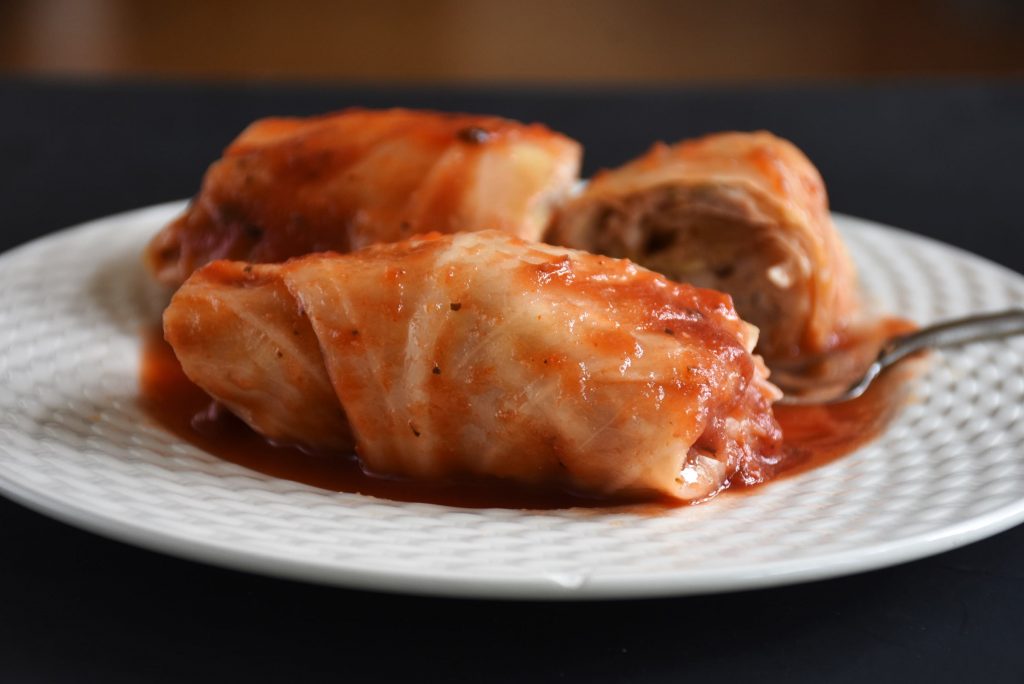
column 547, row 587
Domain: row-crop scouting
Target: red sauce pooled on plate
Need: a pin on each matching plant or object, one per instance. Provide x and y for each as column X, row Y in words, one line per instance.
column 814, row 435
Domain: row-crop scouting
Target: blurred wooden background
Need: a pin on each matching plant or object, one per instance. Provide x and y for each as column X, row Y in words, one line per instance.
column 453, row 41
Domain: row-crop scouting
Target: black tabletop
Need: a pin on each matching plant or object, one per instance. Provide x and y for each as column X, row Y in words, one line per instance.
column 940, row 159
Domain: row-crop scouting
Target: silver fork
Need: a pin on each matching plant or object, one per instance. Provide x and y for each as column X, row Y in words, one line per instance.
column 950, row 333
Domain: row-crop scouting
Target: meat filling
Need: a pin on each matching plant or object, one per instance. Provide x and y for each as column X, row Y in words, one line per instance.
column 712, row 238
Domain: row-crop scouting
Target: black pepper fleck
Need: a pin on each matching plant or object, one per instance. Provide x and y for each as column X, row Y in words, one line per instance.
column 437, row 371
column 455, row 306
column 670, row 331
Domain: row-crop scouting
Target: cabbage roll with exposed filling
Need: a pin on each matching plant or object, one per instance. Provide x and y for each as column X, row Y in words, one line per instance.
column 289, row 186
column 482, row 355
column 743, row 213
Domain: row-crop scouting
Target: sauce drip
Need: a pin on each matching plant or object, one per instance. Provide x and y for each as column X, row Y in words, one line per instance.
column 814, row 436
column 818, row 434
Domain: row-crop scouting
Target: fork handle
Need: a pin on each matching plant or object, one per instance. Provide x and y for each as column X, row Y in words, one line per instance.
column 952, row 333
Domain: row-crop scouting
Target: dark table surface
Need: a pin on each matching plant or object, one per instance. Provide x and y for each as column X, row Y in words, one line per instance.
column 941, row 159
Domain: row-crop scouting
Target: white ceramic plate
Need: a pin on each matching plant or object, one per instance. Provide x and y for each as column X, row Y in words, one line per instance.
column 75, row 445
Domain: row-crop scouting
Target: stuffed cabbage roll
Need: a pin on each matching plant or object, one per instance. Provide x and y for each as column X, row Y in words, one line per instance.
column 482, row 355
column 288, row 187
column 744, row 213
